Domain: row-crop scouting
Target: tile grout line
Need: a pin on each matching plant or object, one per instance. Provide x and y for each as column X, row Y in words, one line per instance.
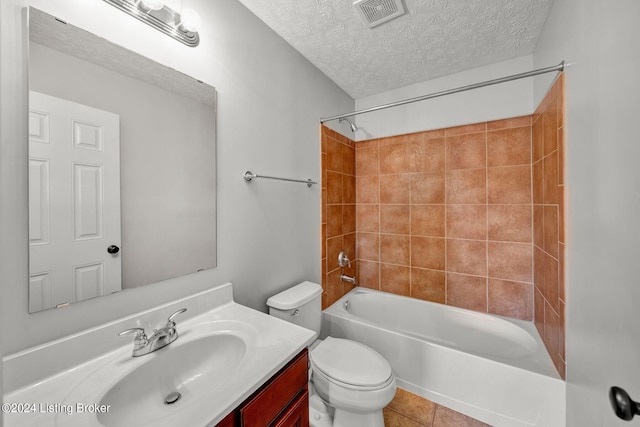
column 486, row 209
column 410, row 180
column 379, row 219
column 446, row 272
column 533, row 222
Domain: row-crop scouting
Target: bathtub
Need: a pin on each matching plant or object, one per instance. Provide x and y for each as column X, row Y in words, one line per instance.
column 491, row 368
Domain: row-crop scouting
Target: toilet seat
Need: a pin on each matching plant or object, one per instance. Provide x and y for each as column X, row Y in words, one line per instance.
column 350, row 364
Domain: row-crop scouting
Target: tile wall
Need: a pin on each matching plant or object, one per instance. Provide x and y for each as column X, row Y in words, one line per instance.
column 470, row 216
column 446, row 216
column 548, row 222
column 338, row 213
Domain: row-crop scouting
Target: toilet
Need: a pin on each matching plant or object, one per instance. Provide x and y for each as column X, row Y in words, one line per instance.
column 353, row 380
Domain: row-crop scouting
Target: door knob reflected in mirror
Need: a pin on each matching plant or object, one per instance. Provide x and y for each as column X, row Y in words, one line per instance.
column 113, row 249
column 622, row 404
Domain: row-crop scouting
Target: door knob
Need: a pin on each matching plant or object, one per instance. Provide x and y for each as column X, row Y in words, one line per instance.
column 622, row 404
column 113, row 249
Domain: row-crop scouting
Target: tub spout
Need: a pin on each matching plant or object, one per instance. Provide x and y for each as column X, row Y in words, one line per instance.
column 348, row 279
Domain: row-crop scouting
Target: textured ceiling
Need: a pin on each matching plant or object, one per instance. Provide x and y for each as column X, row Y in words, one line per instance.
column 44, row 29
column 435, row 38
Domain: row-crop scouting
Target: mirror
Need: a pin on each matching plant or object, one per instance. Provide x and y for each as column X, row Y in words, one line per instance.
column 121, row 168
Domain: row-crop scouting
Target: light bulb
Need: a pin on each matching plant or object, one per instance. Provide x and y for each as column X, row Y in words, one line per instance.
column 190, row 21
column 152, row 4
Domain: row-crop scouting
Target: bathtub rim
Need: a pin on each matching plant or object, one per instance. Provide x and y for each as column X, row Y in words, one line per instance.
column 490, row 391
column 546, row 368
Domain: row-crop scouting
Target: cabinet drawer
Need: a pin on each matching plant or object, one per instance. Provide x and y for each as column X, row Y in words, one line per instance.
column 297, row 414
column 261, row 409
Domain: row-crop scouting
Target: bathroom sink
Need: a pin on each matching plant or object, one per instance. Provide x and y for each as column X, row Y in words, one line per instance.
column 175, row 385
column 171, row 378
column 222, row 356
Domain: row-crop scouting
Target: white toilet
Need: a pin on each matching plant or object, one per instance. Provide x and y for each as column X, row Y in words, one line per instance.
column 353, row 379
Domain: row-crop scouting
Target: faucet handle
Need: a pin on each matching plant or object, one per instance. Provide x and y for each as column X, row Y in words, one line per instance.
column 140, row 337
column 343, row 259
column 170, row 319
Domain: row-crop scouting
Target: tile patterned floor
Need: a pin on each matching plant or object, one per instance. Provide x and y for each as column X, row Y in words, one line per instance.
column 410, row 410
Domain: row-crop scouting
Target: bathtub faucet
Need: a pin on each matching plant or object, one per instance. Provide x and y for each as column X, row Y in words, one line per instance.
column 348, row 279
column 343, row 259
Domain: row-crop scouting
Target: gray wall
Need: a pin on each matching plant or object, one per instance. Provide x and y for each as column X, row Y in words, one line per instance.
column 167, row 171
column 2, row 253
column 600, row 41
column 269, row 101
column 501, row 101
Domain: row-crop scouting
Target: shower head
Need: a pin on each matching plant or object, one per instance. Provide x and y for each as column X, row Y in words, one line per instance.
column 352, row 125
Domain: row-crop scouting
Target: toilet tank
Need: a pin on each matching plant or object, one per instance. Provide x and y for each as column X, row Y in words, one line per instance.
column 300, row 304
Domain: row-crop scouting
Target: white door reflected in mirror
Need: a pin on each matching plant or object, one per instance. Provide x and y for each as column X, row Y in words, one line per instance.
column 74, row 202
column 161, row 191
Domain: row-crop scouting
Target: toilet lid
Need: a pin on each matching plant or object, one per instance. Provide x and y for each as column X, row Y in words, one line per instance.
column 350, row 362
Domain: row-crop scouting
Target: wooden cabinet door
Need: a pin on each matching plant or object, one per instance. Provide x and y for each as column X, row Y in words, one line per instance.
column 261, row 409
column 297, row 414
column 282, row 402
column 229, row 421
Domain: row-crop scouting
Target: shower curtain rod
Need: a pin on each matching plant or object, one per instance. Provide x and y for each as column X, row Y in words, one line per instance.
column 559, row 67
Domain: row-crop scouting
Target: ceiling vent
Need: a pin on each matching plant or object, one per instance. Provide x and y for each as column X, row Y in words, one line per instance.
column 376, row 12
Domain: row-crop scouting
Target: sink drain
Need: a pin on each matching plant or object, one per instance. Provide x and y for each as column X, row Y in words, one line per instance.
column 172, row 398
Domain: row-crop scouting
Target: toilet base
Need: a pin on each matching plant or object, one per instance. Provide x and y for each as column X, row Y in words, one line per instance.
column 319, row 412
column 351, row 419
column 322, row 415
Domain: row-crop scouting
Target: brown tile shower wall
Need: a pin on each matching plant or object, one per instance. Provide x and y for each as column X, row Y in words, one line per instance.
column 471, row 216
column 446, row 216
column 338, row 213
column 548, row 222
column 338, row 232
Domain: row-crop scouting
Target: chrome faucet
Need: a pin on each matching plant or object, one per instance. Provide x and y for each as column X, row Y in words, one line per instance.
column 160, row 338
column 348, row 279
column 343, row 259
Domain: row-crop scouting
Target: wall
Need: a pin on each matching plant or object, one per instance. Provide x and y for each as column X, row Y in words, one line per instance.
column 270, row 100
column 479, row 105
column 599, row 40
column 338, row 213
column 161, row 134
column 1, row 249
column 548, row 221
column 445, row 215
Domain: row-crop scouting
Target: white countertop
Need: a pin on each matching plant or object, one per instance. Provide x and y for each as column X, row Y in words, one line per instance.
column 58, row 400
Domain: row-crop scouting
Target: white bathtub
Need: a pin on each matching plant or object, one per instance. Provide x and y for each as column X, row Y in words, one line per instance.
column 491, row 368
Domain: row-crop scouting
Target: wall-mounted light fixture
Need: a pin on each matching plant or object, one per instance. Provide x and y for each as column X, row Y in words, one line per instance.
column 181, row 26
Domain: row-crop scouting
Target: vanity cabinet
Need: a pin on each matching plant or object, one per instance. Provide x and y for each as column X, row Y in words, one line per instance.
column 282, row 402
column 296, row 414
column 229, row 420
